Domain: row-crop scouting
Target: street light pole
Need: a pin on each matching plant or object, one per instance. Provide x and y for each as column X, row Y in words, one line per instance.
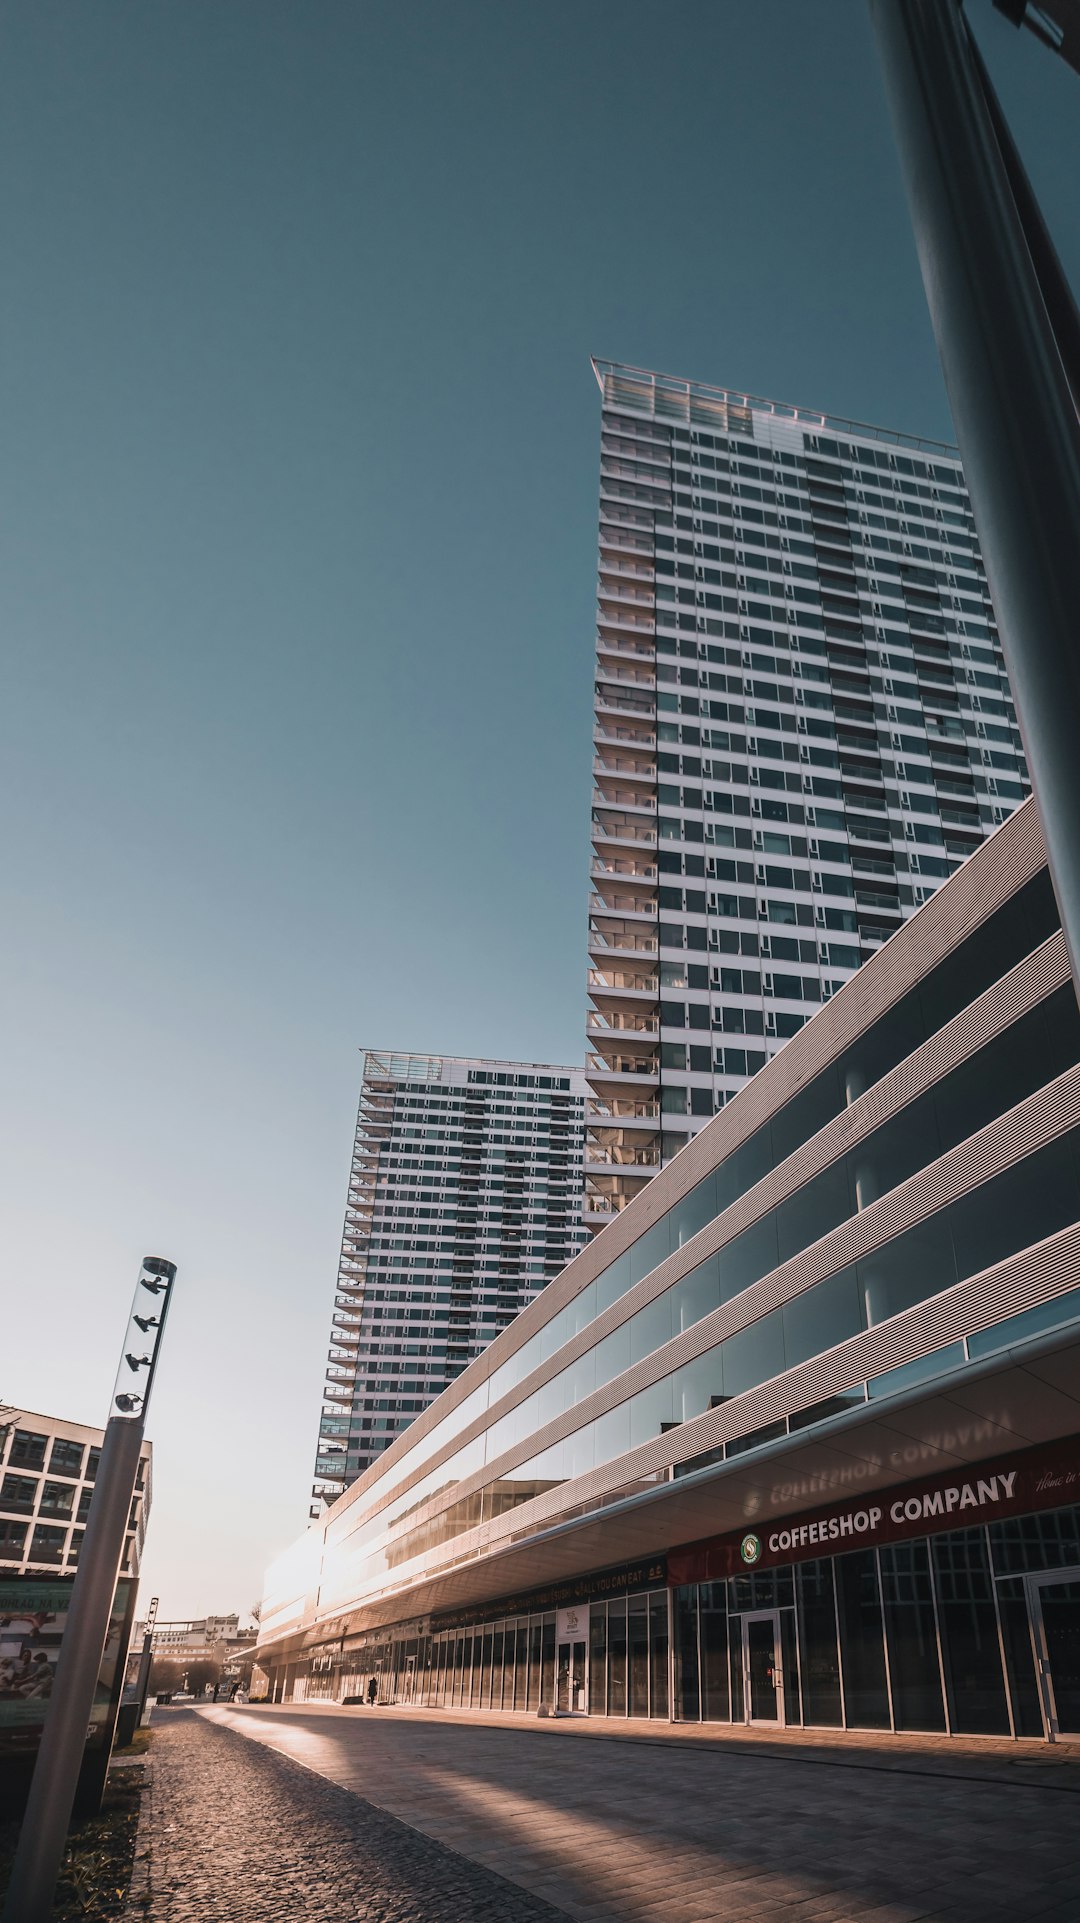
column 44, row 1828
column 996, row 296
column 146, row 1659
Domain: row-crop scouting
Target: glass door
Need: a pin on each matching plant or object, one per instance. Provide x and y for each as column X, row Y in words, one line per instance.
column 1055, row 1616
column 762, row 1677
column 570, row 1679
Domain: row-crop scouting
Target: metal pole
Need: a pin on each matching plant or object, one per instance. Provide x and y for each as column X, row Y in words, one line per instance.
column 146, row 1657
column 1016, row 424
column 44, row 1828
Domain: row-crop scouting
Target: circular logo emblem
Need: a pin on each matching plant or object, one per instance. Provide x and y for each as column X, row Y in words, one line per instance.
column 750, row 1548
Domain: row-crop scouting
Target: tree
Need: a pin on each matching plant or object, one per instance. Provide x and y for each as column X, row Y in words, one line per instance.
column 205, row 1670
column 166, row 1674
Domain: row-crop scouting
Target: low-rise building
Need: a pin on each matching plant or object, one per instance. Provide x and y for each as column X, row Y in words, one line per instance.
column 47, row 1472
column 796, row 1438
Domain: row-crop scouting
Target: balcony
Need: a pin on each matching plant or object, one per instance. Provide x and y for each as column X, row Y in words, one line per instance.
column 623, row 1068
column 628, row 766
column 645, row 1160
column 624, row 943
column 617, row 647
column 613, row 616
column 608, row 794
column 624, row 831
column 643, row 903
column 634, row 870
column 618, row 566
column 627, row 1110
column 622, row 993
column 623, row 704
column 606, row 730
column 617, row 592
column 635, row 1029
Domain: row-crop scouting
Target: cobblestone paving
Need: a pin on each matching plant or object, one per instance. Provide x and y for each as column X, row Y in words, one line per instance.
column 626, row 1831
column 239, row 1834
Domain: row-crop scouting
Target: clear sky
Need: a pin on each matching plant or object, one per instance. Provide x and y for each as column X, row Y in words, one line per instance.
column 299, row 470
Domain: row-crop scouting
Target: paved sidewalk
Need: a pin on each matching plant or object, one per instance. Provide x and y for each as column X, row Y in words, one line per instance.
column 238, row 1834
column 637, row 1829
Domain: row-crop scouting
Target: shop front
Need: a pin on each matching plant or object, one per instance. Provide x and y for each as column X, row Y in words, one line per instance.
column 947, row 1605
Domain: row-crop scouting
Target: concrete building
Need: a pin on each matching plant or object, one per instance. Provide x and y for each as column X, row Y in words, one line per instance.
column 464, row 1201
column 802, row 726
column 48, row 1469
column 796, row 1438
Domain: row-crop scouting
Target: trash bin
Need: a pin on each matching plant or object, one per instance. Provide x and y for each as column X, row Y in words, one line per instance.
column 127, row 1722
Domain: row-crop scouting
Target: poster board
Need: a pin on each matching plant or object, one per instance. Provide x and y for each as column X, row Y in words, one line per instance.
column 33, row 1616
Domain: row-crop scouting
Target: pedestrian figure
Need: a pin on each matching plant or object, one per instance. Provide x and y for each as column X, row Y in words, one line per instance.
column 372, row 1690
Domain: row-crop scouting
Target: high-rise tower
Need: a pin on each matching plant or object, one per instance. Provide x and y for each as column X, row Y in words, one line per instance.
column 802, row 726
column 464, row 1200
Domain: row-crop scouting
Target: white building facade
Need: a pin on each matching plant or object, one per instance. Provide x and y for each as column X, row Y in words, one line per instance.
column 802, row 726
column 464, row 1200
column 796, row 1438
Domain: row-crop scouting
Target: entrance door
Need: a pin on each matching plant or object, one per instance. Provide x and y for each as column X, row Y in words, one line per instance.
column 570, row 1679
column 762, row 1677
column 1055, row 1615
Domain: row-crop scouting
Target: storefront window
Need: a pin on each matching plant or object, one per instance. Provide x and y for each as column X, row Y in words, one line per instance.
column 1049, row 1541
column 818, row 1644
column 687, row 1678
column 715, row 1693
column 536, row 1639
column 1019, row 1657
column 969, row 1634
column 637, row 1622
column 658, row 1653
column 617, row 1657
column 862, row 1647
column 789, row 1666
column 911, row 1628
column 547, row 1662
column 598, row 1659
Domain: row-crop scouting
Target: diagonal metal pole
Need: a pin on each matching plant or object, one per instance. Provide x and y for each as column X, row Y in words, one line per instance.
column 43, row 1833
column 1016, row 422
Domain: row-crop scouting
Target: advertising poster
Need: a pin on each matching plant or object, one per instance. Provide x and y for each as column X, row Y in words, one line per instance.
column 33, row 1615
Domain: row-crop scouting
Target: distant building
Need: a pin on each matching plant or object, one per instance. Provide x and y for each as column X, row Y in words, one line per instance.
column 48, row 1470
column 203, row 1639
column 802, row 726
column 464, row 1200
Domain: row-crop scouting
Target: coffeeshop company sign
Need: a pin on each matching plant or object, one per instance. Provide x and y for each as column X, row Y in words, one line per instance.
column 1040, row 1478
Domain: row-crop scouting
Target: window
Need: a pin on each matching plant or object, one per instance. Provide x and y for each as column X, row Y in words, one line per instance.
column 47, row 1543
column 27, row 1450
column 57, row 1499
column 66, row 1458
column 19, row 1493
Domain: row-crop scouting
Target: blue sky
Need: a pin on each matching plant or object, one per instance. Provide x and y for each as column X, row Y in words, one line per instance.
column 299, row 473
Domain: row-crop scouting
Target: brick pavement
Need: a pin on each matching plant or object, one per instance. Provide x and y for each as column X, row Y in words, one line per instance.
column 632, row 1829
column 235, row 1833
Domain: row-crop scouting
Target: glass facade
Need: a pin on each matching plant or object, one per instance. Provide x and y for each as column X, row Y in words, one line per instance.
column 860, row 1282
column 941, row 1634
column 1023, row 1204
column 933, row 1635
column 802, row 725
